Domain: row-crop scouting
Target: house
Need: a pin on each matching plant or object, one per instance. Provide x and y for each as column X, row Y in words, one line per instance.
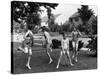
column 75, row 19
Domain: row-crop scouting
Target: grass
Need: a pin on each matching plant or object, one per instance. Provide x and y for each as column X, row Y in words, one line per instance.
column 39, row 62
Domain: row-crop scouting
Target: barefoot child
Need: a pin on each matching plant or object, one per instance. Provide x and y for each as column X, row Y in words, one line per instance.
column 65, row 50
column 48, row 42
column 26, row 46
column 48, row 45
column 75, row 40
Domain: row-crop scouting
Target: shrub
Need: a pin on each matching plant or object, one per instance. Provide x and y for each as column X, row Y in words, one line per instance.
column 93, row 44
column 70, row 45
column 80, row 45
column 56, row 43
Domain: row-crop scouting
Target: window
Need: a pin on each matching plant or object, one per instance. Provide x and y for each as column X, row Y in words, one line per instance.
column 76, row 18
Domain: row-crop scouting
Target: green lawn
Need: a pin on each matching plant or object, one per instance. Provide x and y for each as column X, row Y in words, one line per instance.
column 39, row 62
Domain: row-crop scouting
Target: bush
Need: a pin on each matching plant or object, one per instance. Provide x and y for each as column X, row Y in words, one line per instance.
column 93, row 44
column 80, row 45
column 70, row 45
column 56, row 43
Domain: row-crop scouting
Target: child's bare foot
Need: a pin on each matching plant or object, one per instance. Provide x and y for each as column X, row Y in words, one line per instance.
column 76, row 60
column 50, row 61
column 28, row 66
column 19, row 50
column 57, row 66
column 72, row 64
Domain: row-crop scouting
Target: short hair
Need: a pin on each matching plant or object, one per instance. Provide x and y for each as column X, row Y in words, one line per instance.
column 44, row 28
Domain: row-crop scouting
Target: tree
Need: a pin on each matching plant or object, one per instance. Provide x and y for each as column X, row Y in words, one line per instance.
column 29, row 11
column 93, row 44
column 85, row 13
column 51, row 18
column 51, row 23
column 89, row 26
column 93, row 34
column 94, row 26
column 67, row 27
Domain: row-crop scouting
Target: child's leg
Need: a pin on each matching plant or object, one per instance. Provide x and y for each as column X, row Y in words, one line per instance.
column 73, row 52
column 21, row 48
column 50, row 46
column 28, row 62
column 29, row 58
column 59, row 60
column 51, row 49
column 76, row 51
column 69, row 58
column 48, row 50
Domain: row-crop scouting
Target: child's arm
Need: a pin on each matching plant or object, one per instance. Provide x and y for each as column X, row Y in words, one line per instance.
column 30, row 32
column 68, row 44
column 26, row 34
column 80, row 33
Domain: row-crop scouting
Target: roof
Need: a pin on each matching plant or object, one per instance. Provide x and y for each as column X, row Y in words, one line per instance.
column 75, row 14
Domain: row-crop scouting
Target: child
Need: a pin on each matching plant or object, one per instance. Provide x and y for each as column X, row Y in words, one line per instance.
column 65, row 50
column 26, row 46
column 48, row 45
column 75, row 39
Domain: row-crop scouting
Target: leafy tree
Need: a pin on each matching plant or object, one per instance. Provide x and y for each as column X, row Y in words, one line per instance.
column 51, row 18
column 29, row 11
column 85, row 13
column 92, row 31
column 51, row 22
column 94, row 26
column 93, row 44
column 89, row 26
column 67, row 27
